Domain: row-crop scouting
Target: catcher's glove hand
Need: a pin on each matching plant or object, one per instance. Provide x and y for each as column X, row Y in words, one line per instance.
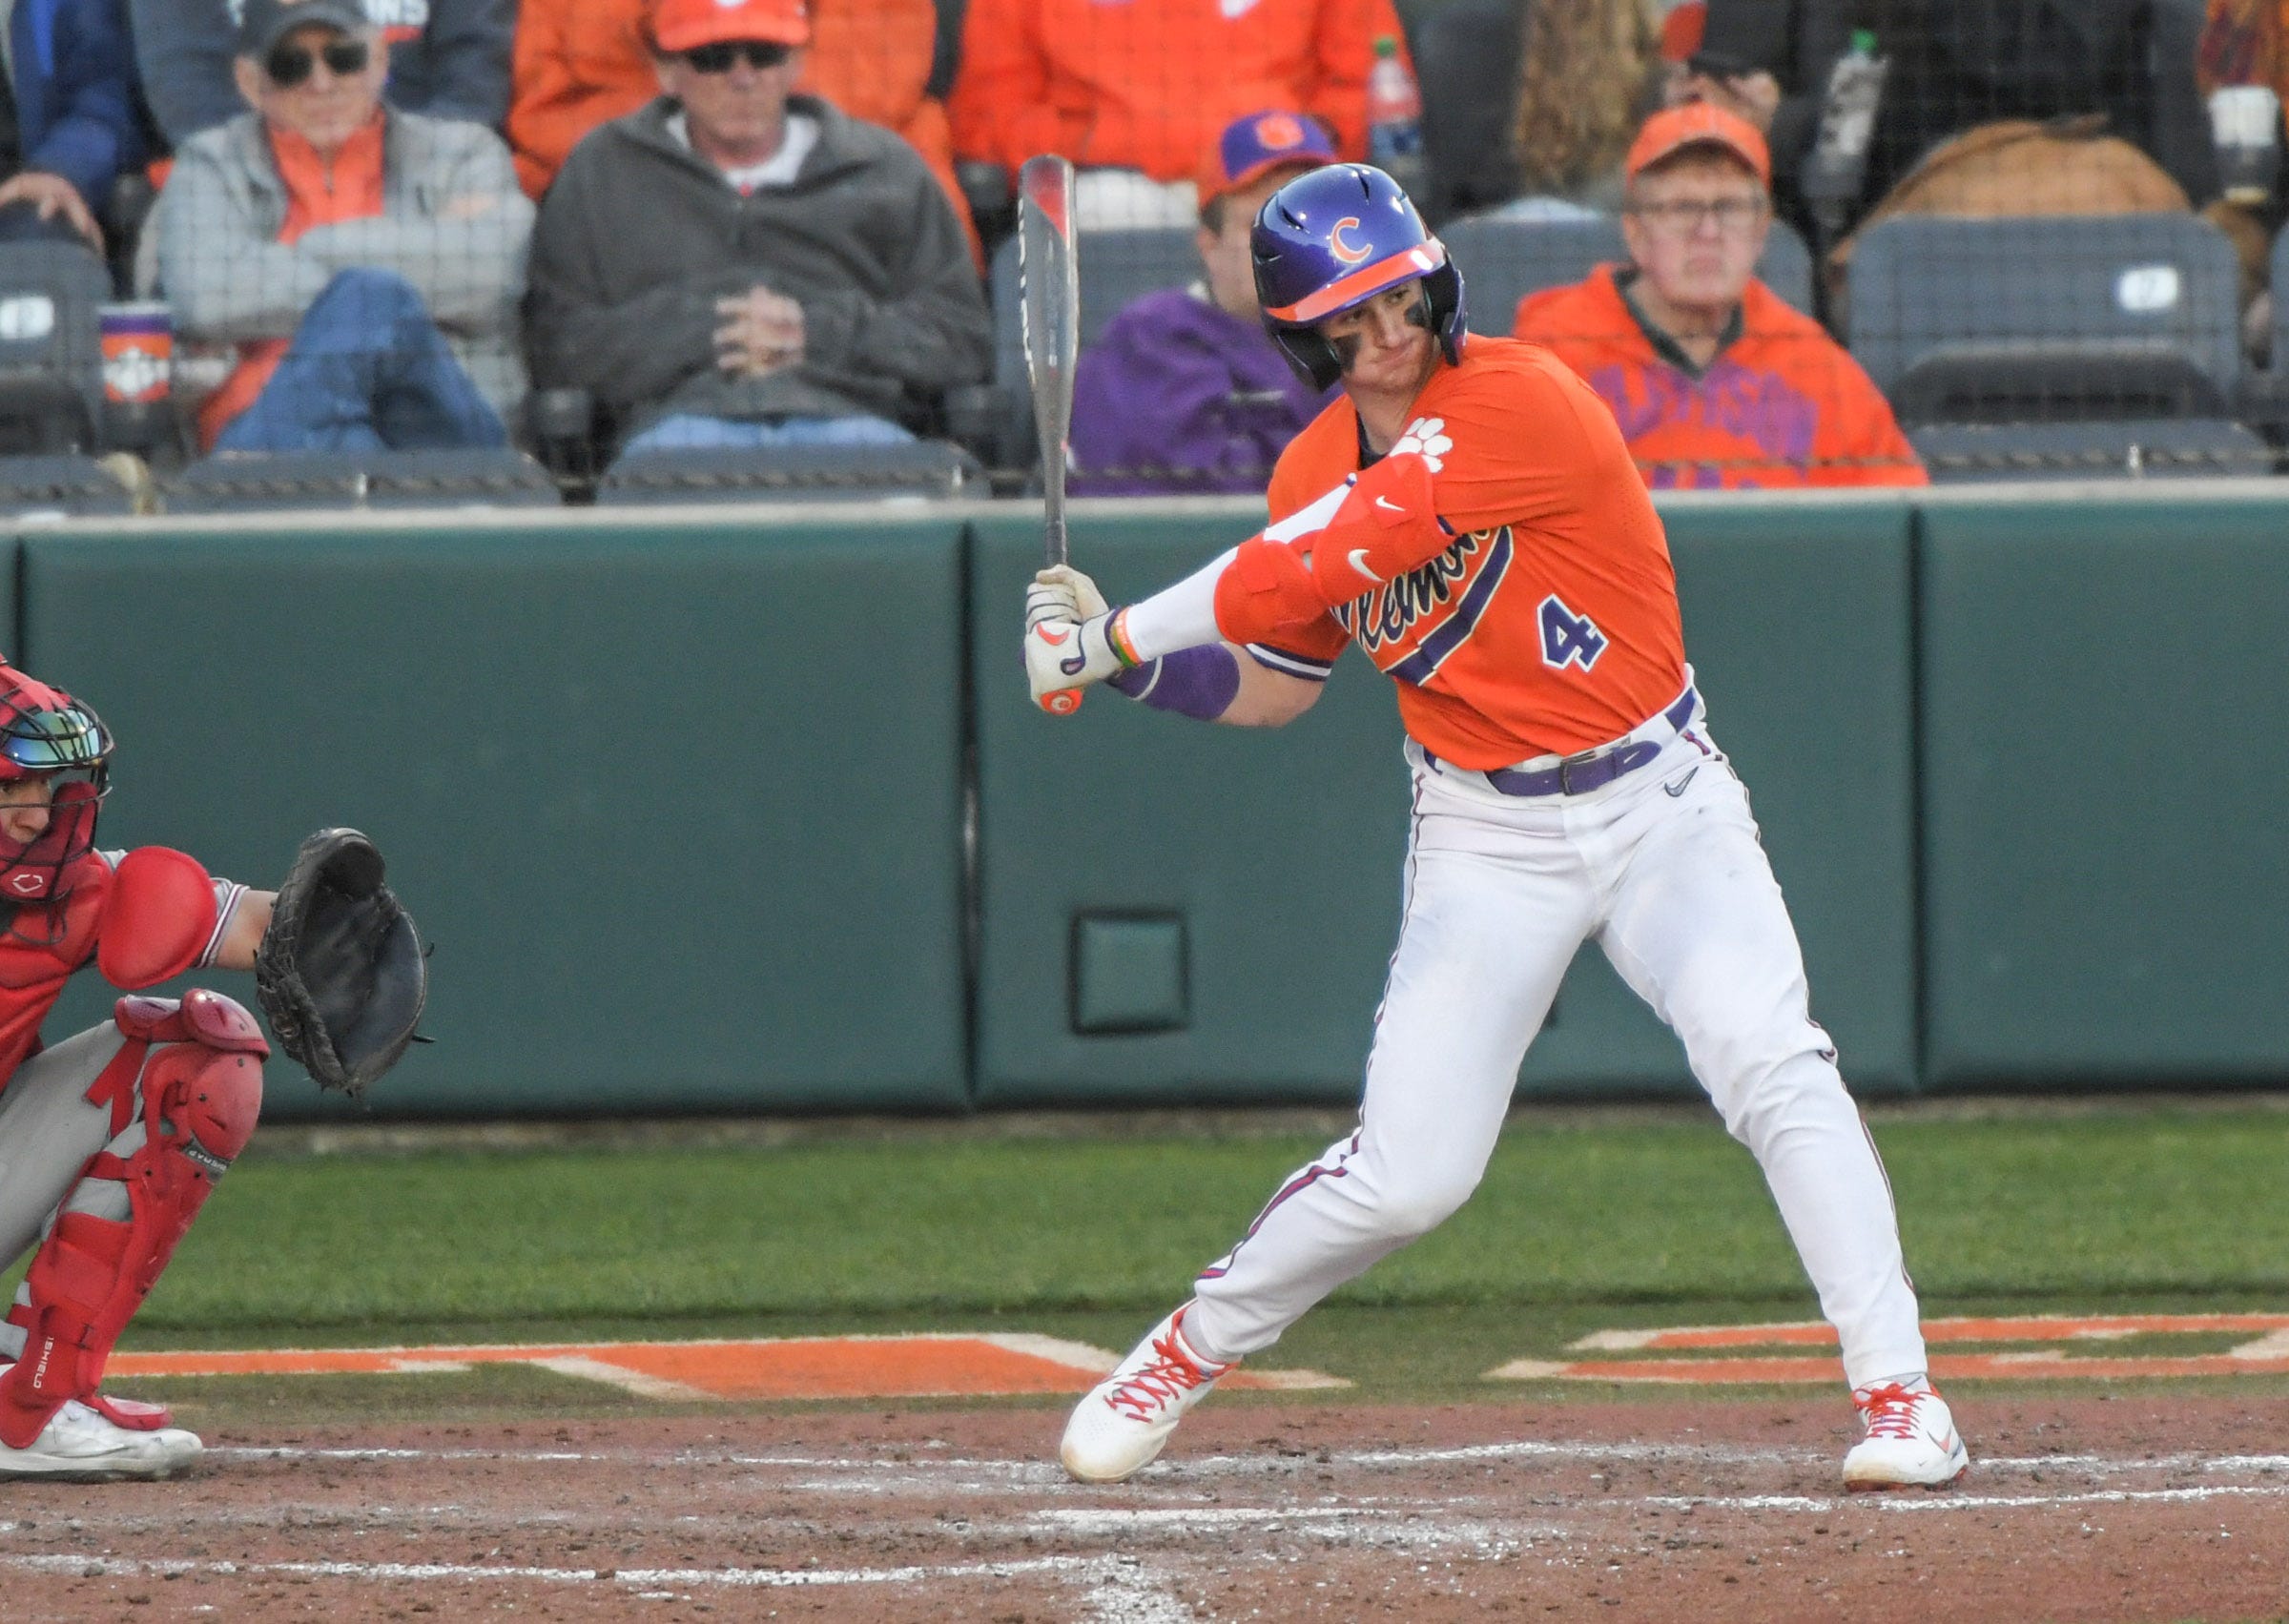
column 340, row 971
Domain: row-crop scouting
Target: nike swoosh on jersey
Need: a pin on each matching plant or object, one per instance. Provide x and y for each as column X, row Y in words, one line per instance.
column 1358, row 561
column 1386, row 501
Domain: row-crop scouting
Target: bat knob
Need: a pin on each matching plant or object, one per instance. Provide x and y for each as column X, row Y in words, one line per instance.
column 1063, row 703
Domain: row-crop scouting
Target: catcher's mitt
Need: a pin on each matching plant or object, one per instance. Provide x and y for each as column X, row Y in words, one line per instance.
column 340, row 971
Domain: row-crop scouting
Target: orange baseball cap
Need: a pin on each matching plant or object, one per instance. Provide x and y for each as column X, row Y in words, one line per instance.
column 681, row 25
column 1698, row 124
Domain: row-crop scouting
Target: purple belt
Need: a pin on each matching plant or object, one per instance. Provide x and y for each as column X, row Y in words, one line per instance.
column 1592, row 769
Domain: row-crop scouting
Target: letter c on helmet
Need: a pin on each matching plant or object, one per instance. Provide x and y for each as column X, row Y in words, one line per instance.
column 1344, row 251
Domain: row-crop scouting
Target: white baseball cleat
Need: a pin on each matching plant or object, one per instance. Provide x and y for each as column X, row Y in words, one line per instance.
column 1126, row 1418
column 78, row 1446
column 1912, row 1441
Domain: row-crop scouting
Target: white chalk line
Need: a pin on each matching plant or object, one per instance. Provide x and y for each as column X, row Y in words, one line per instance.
column 1102, row 1569
column 1017, row 1473
column 1953, row 1500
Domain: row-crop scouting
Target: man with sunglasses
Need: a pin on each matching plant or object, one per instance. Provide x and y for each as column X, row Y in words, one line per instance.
column 356, row 268
column 447, row 58
column 736, row 265
column 1717, row 382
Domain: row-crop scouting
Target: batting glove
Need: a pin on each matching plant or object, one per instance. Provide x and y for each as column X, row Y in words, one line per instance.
column 1062, row 655
column 1062, row 592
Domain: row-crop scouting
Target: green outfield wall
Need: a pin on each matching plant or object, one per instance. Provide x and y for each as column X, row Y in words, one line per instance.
column 735, row 810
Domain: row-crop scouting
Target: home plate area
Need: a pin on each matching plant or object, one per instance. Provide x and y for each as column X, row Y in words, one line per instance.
column 2101, row 1505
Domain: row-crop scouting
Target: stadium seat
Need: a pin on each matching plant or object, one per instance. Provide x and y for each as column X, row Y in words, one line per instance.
column 51, row 349
column 60, row 487
column 1994, row 321
column 234, row 482
column 1117, row 267
column 2122, row 448
column 1502, row 260
column 820, row 473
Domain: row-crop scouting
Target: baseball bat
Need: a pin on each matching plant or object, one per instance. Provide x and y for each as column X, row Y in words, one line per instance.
column 1049, row 321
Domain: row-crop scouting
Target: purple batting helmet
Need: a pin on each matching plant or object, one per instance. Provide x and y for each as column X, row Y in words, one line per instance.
column 1330, row 240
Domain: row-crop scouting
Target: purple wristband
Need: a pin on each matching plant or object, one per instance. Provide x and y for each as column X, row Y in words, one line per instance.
column 1198, row 682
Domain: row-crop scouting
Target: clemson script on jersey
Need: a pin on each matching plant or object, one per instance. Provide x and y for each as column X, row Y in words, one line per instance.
column 1551, row 625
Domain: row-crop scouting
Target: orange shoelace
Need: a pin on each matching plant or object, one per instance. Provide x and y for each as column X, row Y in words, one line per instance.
column 1890, row 1410
column 1170, row 1376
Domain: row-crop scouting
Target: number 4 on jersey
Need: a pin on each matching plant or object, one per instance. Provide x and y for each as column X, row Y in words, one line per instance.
column 1568, row 639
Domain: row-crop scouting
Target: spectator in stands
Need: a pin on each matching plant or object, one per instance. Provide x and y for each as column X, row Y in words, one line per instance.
column 738, row 265
column 327, row 239
column 1955, row 66
column 1592, row 70
column 581, row 63
column 448, row 59
column 69, row 126
column 1184, row 392
column 1716, row 381
column 1144, row 88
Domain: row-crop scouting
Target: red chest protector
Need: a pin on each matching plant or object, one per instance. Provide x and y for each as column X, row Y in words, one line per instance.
column 148, row 920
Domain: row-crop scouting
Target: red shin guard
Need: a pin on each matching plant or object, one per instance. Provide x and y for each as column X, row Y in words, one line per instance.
column 198, row 1080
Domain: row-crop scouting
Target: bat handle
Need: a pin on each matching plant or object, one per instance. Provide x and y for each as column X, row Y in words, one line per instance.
column 1063, row 703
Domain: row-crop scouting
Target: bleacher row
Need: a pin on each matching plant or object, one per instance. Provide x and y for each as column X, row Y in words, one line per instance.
column 2010, row 348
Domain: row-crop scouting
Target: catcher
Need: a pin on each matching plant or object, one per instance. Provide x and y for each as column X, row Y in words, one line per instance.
column 110, row 1141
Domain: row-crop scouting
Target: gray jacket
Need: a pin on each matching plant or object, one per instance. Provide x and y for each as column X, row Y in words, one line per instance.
column 218, row 261
column 639, row 237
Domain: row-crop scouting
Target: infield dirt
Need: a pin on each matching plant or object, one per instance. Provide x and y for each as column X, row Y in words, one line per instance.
column 2142, row 1504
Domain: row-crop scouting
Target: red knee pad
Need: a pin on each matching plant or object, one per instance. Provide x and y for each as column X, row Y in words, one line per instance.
column 199, row 1088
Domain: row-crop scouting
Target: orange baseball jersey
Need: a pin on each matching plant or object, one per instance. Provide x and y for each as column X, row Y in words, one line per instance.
column 1782, row 404
column 1551, row 625
column 1148, row 84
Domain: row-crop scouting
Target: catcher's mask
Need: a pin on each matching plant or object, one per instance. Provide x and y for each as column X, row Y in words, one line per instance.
column 47, row 734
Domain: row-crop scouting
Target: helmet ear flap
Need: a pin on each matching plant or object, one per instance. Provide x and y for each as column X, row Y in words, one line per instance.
column 1313, row 358
column 1442, row 301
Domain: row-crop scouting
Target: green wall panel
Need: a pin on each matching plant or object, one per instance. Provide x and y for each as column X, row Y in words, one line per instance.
column 1281, row 851
column 679, row 803
column 2104, row 870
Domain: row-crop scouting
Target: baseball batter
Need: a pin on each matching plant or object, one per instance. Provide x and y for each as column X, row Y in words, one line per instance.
column 1467, row 514
column 111, row 1141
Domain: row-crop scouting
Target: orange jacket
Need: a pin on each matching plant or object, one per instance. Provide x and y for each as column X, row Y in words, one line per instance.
column 1782, row 404
column 1148, row 84
column 581, row 63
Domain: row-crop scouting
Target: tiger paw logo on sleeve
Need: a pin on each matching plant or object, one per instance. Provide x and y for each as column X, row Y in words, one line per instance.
column 1427, row 437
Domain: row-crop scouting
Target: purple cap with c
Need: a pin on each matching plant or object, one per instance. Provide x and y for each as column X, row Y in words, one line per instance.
column 1257, row 144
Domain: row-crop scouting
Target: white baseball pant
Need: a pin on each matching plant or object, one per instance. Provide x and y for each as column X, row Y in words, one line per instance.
column 1664, row 867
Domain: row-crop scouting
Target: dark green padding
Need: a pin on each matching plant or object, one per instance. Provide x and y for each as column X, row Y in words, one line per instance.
column 2105, row 860
column 677, row 801
column 1128, row 974
column 1282, row 850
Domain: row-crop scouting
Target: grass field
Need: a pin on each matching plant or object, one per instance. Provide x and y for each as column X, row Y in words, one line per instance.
column 1583, row 1220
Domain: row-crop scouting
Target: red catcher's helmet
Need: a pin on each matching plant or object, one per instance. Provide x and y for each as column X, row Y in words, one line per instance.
column 44, row 731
